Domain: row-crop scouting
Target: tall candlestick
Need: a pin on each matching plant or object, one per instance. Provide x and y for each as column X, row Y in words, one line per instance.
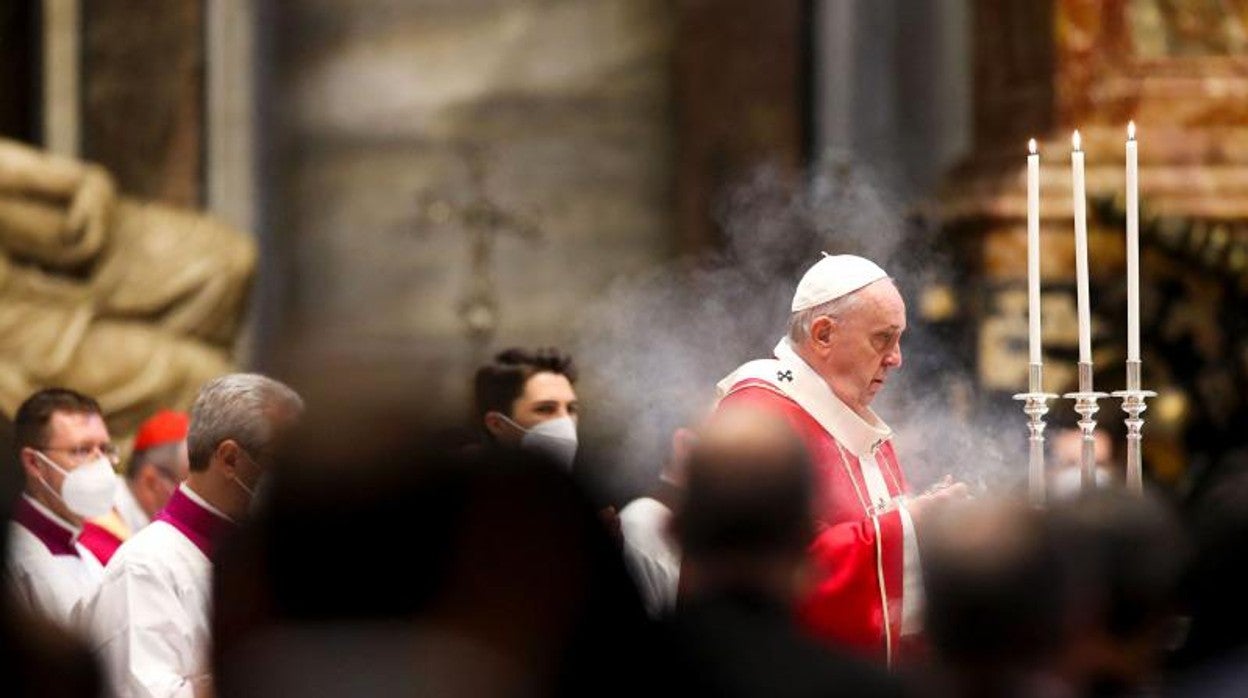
column 1134, row 396
column 1033, row 253
column 1133, row 251
column 1081, row 251
column 1035, row 400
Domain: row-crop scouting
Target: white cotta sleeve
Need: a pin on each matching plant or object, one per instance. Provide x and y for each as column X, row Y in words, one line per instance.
column 911, row 578
column 141, row 632
column 655, row 584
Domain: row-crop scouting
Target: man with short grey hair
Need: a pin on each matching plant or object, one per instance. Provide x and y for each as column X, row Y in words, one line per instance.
column 149, row 620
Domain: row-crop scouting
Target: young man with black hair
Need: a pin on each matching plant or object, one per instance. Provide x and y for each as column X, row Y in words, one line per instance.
column 525, row 399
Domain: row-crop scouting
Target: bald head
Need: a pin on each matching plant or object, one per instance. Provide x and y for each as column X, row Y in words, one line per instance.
column 749, row 488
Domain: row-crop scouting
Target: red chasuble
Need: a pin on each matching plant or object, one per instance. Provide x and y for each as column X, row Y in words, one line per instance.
column 858, row 559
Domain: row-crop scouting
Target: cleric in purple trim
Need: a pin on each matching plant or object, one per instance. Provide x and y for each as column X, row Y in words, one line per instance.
column 149, row 621
column 67, row 459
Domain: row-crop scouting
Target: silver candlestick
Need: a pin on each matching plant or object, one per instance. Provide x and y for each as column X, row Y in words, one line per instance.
column 1035, row 406
column 1133, row 404
column 1085, row 405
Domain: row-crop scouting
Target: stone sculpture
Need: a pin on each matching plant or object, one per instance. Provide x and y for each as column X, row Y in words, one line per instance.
column 134, row 303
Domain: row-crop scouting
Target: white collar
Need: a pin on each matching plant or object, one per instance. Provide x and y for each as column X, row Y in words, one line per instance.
column 792, row 376
column 52, row 516
column 194, row 497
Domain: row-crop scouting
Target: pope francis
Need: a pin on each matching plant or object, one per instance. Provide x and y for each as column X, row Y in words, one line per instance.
column 842, row 345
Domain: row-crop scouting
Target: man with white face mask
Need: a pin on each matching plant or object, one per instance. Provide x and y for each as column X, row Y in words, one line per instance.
column 148, row 622
column 67, row 458
column 526, row 400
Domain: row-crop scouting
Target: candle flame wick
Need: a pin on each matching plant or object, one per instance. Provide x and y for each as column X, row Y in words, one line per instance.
column 1031, row 146
column 1076, row 140
column 1131, row 130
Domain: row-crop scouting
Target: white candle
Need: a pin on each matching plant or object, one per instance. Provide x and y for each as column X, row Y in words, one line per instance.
column 1033, row 251
column 1081, row 251
column 1133, row 248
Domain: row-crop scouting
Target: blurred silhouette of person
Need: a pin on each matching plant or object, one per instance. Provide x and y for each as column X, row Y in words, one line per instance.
column 1212, row 661
column 39, row 658
column 158, row 464
column 149, row 620
column 1126, row 557
column 479, row 572
column 67, row 458
column 743, row 527
column 997, row 602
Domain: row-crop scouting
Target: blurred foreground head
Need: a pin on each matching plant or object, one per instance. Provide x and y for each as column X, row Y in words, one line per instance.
column 995, row 593
column 1220, row 573
column 386, row 565
column 746, row 518
column 1126, row 556
column 744, row 529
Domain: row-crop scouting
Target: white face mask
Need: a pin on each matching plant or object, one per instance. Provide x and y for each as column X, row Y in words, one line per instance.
column 256, row 495
column 555, row 439
column 88, row 489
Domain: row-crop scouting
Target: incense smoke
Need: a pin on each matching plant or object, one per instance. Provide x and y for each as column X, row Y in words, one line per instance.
column 653, row 348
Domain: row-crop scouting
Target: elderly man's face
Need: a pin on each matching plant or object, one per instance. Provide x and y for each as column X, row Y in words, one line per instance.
column 857, row 351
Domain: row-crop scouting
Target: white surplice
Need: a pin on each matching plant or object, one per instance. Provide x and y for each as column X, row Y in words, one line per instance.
column 49, row 570
column 650, row 554
column 149, row 621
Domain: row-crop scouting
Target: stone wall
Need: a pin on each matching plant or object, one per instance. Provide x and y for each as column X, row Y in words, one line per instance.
column 447, row 178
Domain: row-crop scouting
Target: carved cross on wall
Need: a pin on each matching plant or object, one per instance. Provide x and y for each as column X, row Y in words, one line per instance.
column 481, row 220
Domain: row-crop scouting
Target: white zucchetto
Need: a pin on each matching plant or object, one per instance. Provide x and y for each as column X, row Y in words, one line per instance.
column 832, row 277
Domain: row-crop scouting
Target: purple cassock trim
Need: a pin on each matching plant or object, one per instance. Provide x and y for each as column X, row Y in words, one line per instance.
column 200, row 526
column 58, row 540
